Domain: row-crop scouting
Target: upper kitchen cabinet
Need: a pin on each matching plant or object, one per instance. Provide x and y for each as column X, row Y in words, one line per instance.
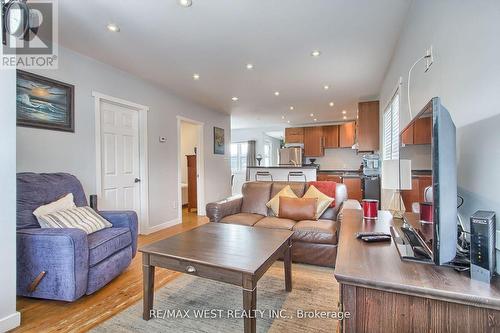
column 368, row 126
column 331, row 135
column 347, row 134
column 294, row 135
column 418, row 132
column 422, row 132
column 313, row 141
column 407, row 135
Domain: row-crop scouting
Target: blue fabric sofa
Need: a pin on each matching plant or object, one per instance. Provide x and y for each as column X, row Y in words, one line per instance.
column 75, row 263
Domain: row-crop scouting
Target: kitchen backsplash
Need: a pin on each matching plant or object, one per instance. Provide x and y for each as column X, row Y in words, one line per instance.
column 339, row 159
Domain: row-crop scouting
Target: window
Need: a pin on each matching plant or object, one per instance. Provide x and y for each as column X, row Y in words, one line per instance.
column 391, row 128
column 267, row 153
column 238, row 156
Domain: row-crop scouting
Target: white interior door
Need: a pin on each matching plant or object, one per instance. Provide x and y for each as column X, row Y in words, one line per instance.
column 120, row 161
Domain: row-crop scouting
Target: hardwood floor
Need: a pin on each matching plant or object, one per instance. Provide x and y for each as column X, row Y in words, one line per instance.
column 88, row 311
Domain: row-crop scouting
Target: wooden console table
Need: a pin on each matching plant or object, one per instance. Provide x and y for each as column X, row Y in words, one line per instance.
column 385, row 294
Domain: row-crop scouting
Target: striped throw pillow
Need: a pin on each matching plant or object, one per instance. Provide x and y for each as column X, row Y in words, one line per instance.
column 84, row 218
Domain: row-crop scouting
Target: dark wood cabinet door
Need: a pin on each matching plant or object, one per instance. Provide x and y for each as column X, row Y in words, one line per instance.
column 294, row 135
column 331, row 134
column 192, row 182
column 353, row 186
column 422, row 132
column 313, row 141
column 368, row 126
column 347, row 135
column 407, row 136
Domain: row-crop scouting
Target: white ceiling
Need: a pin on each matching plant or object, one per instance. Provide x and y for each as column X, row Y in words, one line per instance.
column 165, row 43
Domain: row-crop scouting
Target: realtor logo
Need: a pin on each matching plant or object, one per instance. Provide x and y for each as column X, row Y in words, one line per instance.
column 29, row 34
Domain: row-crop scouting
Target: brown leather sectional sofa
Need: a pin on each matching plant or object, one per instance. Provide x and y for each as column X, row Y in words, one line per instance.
column 314, row 242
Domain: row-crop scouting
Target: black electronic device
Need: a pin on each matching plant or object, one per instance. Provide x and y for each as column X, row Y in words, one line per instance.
column 373, row 239
column 482, row 245
column 362, row 234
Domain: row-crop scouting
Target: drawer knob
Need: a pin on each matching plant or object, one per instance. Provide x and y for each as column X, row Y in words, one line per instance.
column 190, row 269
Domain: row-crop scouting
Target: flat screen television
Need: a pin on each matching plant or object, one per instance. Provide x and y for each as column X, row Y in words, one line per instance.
column 429, row 141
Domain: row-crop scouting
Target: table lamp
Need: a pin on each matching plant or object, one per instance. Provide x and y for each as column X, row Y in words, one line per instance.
column 396, row 175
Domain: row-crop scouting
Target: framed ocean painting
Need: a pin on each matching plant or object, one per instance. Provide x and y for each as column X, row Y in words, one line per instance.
column 44, row 103
column 218, row 141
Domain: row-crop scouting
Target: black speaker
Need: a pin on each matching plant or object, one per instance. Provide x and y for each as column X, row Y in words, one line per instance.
column 93, row 201
column 482, row 245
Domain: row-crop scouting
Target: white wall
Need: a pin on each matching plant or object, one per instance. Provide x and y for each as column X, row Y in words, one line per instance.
column 466, row 76
column 51, row 151
column 340, row 159
column 9, row 318
column 189, row 140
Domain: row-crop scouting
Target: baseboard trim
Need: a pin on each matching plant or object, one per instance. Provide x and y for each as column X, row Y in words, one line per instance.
column 10, row 322
column 161, row 226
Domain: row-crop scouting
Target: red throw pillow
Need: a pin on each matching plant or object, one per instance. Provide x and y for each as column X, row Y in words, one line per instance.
column 327, row 188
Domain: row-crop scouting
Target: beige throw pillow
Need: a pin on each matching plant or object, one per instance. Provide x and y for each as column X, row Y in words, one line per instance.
column 274, row 203
column 84, row 218
column 323, row 200
column 64, row 203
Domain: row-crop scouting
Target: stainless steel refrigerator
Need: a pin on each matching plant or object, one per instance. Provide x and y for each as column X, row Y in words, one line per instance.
column 291, row 156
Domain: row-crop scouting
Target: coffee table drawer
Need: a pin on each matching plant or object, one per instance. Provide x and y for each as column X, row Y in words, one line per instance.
column 201, row 270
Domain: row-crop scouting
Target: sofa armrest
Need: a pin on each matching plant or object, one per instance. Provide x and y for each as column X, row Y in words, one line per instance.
column 62, row 253
column 348, row 204
column 216, row 211
column 124, row 219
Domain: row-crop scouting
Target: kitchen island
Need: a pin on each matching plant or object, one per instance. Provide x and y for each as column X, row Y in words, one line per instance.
column 282, row 173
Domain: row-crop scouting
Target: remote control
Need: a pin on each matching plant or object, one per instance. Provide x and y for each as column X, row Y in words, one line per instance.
column 372, row 239
column 370, row 233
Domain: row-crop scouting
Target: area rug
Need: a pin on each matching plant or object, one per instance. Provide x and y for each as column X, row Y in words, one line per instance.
column 192, row 304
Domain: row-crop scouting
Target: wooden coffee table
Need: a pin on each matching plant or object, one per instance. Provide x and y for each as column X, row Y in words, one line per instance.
column 228, row 253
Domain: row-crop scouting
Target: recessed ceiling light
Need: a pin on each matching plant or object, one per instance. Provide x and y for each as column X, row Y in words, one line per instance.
column 344, row 111
column 282, row 117
column 113, row 27
column 249, row 66
column 291, row 108
column 196, row 76
column 331, row 104
column 234, row 98
column 276, row 93
column 345, row 117
column 315, row 119
column 315, row 53
column 326, row 87
column 185, row 3
column 288, row 121
column 312, row 114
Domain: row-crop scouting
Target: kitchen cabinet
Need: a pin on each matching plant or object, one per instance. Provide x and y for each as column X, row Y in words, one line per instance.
column 422, row 131
column 353, row 185
column 294, row 135
column 416, row 194
column 347, row 134
column 327, row 177
column 407, row 136
column 418, row 133
column 331, row 135
column 313, row 141
column 368, row 126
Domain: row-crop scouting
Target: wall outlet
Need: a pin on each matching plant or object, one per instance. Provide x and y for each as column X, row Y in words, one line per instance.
column 429, row 60
column 174, row 204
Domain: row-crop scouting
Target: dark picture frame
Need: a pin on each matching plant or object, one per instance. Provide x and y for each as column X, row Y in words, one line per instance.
column 219, row 141
column 44, row 103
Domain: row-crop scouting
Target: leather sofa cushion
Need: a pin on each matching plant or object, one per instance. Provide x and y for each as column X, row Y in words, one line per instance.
column 298, row 208
column 255, row 197
column 106, row 242
column 247, row 219
column 298, row 188
column 275, row 223
column 321, row 231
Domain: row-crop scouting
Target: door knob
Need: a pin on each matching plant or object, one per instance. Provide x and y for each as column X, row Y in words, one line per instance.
column 137, row 180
